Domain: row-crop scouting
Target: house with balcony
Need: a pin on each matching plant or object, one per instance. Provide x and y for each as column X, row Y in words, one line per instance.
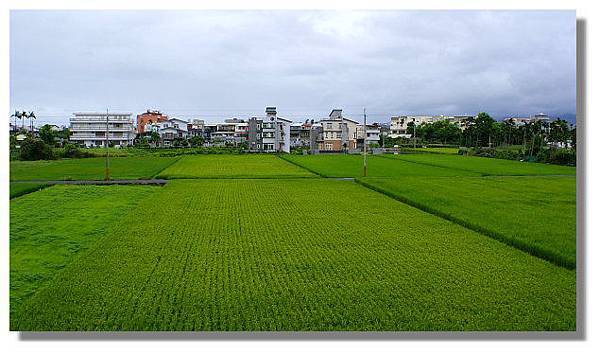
column 96, row 129
column 269, row 134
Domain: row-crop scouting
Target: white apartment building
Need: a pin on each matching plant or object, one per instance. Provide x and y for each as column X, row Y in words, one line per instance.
column 520, row 121
column 169, row 130
column 90, row 129
column 399, row 124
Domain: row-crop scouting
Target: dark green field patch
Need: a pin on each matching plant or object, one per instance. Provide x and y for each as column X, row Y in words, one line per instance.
column 143, row 167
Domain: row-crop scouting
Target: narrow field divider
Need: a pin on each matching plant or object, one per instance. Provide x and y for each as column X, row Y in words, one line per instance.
column 302, row 166
column 539, row 252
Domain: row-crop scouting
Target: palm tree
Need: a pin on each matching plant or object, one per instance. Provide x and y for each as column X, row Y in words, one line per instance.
column 16, row 115
column 31, row 117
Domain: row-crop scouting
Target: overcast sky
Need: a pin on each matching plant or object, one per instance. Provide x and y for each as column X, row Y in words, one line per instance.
column 219, row 64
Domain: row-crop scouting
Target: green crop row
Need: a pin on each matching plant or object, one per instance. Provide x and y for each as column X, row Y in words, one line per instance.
column 142, row 167
column 232, row 166
column 295, row 254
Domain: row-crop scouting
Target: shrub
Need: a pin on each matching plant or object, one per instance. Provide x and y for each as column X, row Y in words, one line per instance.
column 35, row 149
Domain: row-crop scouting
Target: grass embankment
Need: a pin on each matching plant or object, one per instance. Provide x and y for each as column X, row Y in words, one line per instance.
column 89, row 168
column 233, row 166
column 533, row 213
column 48, row 229
column 297, row 255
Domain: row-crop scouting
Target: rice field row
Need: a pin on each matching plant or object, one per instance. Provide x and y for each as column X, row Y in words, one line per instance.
column 351, row 165
column 537, row 214
column 484, row 166
column 295, row 254
column 23, row 188
column 49, row 228
column 142, row 167
column 233, row 166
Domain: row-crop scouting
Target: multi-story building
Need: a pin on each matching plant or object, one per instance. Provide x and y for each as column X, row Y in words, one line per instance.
column 520, row 121
column 150, row 116
column 90, row 129
column 339, row 132
column 300, row 134
column 372, row 135
column 399, row 124
column 169, row 131
column 269, row 134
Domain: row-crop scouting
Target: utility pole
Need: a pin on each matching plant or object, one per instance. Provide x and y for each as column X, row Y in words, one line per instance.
column 364, row 142
column 414, row 134
column 106, row 167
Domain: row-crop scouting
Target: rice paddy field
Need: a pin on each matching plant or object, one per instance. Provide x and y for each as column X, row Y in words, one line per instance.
column 537, row 214
column 143, row 167
column 261, row 242
column 485, row 166
column 22, row 188
column 350, row 165
column 233, row 166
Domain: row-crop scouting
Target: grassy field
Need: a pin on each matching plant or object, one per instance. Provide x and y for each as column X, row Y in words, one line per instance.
column 485, row 166
column 89, row 168
column 434, row 150
column 48, row 228
column 350, row 165
column 233, row 166
column 293, row 254
column 22, row 188
column 537, row 214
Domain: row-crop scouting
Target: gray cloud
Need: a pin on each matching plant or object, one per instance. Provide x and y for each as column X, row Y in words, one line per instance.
column 217, row 64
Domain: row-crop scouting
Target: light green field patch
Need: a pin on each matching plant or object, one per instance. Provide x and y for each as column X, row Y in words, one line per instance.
column 233, row 166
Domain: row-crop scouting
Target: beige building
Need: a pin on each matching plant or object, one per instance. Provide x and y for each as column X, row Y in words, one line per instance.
column 339, row 132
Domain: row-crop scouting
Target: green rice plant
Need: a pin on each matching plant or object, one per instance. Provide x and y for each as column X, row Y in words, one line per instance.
column 484, row 166
column 49, row 228
column 537, row 214
column 351, row 165
column 296, row 254
column 142, row 167
column 22, row 188
column 233, row 166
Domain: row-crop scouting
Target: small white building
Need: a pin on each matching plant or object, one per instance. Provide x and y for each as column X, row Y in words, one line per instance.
column 90, row 129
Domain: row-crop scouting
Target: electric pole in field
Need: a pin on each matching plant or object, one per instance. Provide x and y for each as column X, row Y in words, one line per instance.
column 414, row 134
column 364, row 142
column 106, row 167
